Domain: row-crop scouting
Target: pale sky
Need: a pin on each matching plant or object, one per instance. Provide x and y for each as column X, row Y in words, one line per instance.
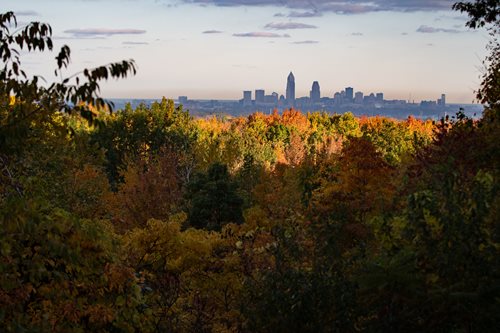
column 215, row 49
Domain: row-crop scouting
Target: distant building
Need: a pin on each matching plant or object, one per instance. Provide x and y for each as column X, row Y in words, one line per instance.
column 349, row 94
column 315, row 93
column 337, row 98
column 370, row 99
column 358, row 97
column 290, row 89
column 379, row 97
column 247, row 98
column 271, row 99
column 183, row 100
column 428, row 104
column 442, row 101
column 259, row 96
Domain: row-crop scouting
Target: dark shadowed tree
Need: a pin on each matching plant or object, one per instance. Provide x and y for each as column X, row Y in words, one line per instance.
column 214, row 199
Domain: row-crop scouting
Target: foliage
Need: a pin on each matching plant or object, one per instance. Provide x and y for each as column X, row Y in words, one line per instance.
column 481, row 12
column 214, row 201
column 61, row 273
column 142, row 133
column 148, row 220
column 151, row 189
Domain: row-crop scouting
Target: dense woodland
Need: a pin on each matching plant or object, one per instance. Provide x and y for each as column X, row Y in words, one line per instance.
column 150, row 220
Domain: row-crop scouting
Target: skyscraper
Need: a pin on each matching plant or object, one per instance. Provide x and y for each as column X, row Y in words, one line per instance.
column 247, row 98
column 290, row 89
column 315, row 92
column 259, row 96
column 349, row 94
column 358, row 97
column 442, row 100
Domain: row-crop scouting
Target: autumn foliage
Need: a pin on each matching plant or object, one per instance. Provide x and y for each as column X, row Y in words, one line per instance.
column 148, row 220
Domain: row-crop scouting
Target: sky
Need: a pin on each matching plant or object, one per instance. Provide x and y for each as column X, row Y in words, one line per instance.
column 215, row 49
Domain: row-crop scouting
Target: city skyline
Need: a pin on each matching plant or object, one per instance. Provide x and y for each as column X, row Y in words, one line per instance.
column 346, row 96
column 346, row 100
column 214, row 49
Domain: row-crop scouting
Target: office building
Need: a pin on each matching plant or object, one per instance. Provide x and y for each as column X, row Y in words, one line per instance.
column 349, row 94
column 358, row 97
column 442, row 101
column 290, row 89
column 315, row 92
column 247, row 98
column 259, row 96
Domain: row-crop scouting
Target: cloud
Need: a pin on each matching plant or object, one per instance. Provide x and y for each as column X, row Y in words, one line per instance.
column 404, row 33
column 306, row 42
column 99, row 32
column 261, row 34
column 357, row 34
column 317, row 7
column 26, row 13
column 135, row 43
column 212, row 32
column 295, row 14
column 78, row 37
column 432, row 30
column 304, row 14
column 289, row 25
column 350, row 8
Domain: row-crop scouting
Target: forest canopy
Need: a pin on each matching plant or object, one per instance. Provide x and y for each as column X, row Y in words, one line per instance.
column 150, row 220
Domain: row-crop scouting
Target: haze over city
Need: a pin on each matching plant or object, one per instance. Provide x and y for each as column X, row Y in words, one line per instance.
column 215, row 49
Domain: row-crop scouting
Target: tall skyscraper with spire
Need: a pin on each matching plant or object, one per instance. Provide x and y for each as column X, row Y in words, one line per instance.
column 290, row 89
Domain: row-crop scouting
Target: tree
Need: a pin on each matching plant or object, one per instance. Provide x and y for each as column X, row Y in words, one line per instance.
column 214, row 201
column 30, row 114
column 67, row 95
column 481, row 12
column 485, row 13
column 60, row 272
column 130, row 135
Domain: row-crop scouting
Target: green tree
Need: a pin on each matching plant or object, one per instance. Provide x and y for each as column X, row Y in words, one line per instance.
column 214, row 200
column 130, row 135
column 61, row 273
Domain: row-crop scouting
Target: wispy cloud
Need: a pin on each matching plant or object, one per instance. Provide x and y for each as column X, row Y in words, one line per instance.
column 304, row 14
column 79, row 37
column 212, row 32
column 99, row 32
column 261, row 34
column 306, row 42
column 289, row 25
column 358, row 34
column 350, row 8
column 317, row 7
column 432, row 30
